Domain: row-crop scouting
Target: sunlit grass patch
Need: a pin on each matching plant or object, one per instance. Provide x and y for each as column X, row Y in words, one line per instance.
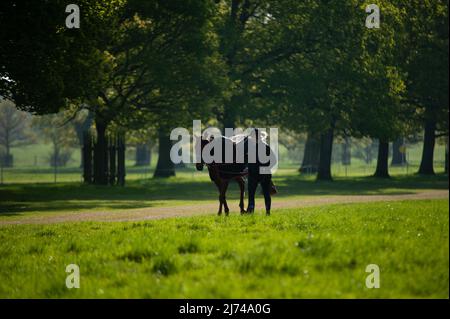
column 297, row 253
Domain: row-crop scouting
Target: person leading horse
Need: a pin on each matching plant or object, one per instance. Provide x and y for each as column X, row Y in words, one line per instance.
column 258, row 160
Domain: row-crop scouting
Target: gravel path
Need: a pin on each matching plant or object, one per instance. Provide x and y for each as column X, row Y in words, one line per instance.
column 211, row 208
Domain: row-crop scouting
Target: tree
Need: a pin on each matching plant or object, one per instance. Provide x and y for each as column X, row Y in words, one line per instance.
column 346, row 156
column 142, row 140
column 254, row 35
column 381, row 170
column 318, row 88
column 143, row 154
column 114, row 72
column 165, row 167
column 82, row 122
column 380, row 113
column 162, row 69
column 446, row 155
column 425, row 61
column 398, row 152
column 14, row 130
column 60, row 134
column 45, row 65
column 232, row 24
column 364, row 148
column 311, row 154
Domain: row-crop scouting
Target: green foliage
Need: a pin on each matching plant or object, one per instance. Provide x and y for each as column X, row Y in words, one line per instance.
column 303, row 64
column 423, row 50
column 300, row 65
column 44, row 64
column 341, row 75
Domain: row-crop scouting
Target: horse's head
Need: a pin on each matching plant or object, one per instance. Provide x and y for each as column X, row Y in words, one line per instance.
column 202, row 142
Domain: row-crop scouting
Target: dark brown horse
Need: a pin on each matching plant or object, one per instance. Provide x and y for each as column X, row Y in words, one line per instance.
column 221, row 174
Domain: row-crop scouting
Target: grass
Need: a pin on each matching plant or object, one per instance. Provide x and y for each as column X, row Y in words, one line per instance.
column 297, row 253
column 300, row 253
column 43, row 174
column 18, row 200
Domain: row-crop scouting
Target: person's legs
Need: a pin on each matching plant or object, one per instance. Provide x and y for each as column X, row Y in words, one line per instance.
column 266, row 185
column 252, row 185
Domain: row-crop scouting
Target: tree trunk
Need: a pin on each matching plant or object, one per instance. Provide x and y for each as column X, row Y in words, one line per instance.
column 80, row 128
column 8, row 160
column 346, row 152
column 55, row 158
column 165, row 166
column 446, row 155
column 100, row 154
column 383, row 159
column 229, row 44
column 112, row 159
column 121, row 160
column 326, row 149
column 426, row 164
column 143, row 155
column 87, row 158
column 311, row 154
column 398, row 155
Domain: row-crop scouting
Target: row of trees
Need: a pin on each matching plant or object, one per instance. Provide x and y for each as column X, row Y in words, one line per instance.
column 63, row 133
column 307, row 66
column 345, row 149
column 18, row 128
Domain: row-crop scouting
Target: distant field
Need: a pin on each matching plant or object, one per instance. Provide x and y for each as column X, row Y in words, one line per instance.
column 31, row 165
column 319, row 252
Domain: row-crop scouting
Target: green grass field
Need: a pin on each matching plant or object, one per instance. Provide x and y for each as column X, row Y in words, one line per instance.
column 21, row 199
column 303, row 253
column 314, row 252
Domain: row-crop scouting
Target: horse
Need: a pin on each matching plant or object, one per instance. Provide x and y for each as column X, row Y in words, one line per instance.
column 222, row 173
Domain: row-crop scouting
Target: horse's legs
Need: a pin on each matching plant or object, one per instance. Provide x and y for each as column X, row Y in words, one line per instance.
column 241, row 183
column 224, row 198
column 219, row 187
column 252, row 185
column 266, row 186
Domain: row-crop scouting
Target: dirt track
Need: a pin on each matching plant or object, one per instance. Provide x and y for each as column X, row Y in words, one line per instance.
column 211, row 208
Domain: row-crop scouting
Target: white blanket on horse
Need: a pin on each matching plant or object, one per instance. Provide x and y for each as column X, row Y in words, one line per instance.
column 240, row 137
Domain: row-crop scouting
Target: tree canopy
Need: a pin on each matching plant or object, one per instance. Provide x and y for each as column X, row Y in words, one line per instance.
column 306, row 66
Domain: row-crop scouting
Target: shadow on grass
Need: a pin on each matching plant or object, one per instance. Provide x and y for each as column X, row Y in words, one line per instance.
column 294, row 185
column 21, row 198
column 16, row 208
